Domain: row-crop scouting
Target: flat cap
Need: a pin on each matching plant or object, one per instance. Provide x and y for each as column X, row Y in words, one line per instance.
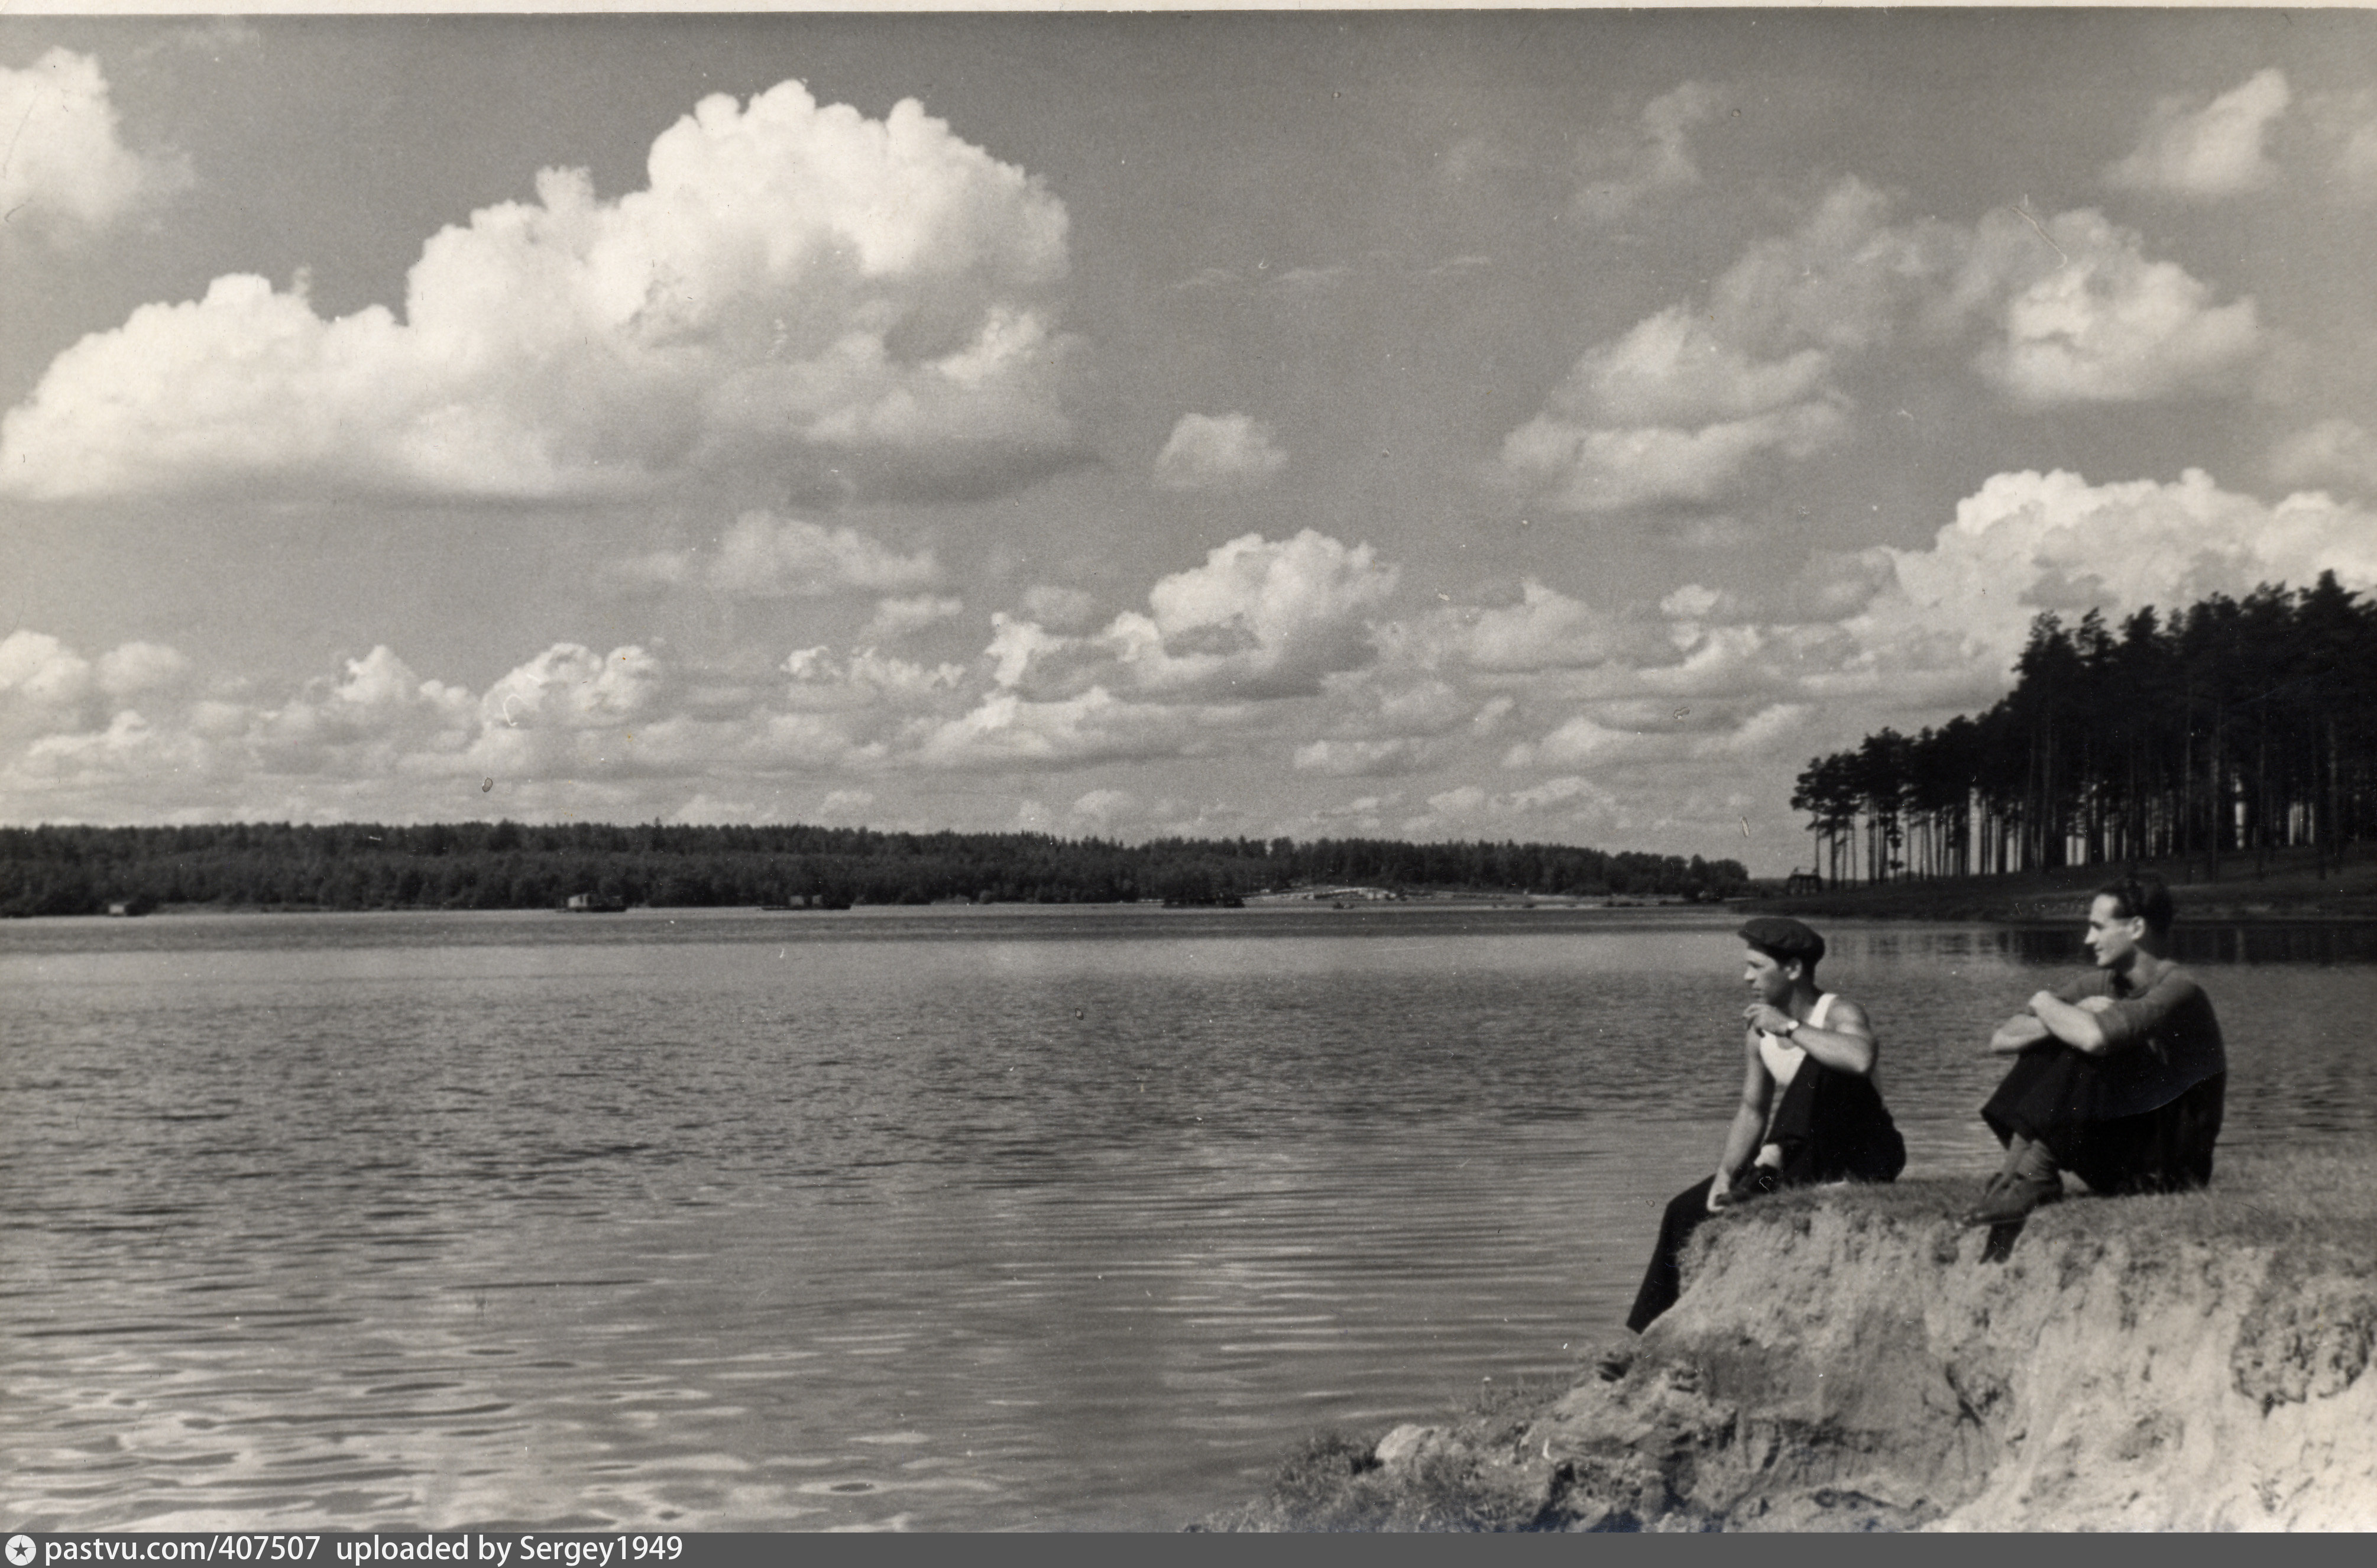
column 1785, row 937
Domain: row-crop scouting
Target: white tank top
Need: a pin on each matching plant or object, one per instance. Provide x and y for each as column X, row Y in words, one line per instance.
column 1781, row 1056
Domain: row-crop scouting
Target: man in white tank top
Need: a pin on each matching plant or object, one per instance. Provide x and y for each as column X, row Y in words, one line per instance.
column 1810, row 1110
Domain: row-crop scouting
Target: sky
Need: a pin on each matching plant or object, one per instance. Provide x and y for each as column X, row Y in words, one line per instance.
column 1554, row 427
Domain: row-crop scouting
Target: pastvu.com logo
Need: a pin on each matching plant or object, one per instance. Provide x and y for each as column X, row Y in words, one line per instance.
column 20, row 1550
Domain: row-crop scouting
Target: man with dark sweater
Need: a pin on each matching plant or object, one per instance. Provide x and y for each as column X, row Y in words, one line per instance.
column 2120, row 1076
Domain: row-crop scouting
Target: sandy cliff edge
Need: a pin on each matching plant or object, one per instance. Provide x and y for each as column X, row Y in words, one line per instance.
column 1850, row 1359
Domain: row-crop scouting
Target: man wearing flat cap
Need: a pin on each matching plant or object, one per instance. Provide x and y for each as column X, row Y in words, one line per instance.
column 1829, row 1123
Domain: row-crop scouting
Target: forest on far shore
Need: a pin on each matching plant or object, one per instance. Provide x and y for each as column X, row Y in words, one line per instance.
column 2234, row 726
column 85, row 870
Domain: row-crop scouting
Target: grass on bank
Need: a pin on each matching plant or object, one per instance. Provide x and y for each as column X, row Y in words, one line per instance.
column 2319, row 1210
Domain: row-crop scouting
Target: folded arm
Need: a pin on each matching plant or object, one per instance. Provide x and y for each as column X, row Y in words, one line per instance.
column 2100, row 1025
column 2018, row 1033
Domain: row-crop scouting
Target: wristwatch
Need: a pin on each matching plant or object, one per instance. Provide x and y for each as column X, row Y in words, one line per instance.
column 1793, row 1030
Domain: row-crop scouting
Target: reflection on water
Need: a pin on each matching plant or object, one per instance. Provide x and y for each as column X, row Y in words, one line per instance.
column 988, row 1219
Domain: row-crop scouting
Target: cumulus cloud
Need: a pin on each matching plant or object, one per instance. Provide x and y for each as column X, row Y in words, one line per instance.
column 799, row 293
column 1546, row 629
column 762, row 556
column 1257, row 620
column 2205, row 151
column 1225, row 452
column 866, row 678
column 1100, row 810
column 1569, row 803
column 1363, row 758
column 1636, row 732
column 137, row 667
column 380, row 715
column 897, row 618
column 1584, row 470
column 1007, row 730
column 67, row 174
column 2334, row 451
column 1287, row 651
column 2103, row 323
column 37, row 668
column 1678, row 410
column 1618, row 172
column 2030, row 541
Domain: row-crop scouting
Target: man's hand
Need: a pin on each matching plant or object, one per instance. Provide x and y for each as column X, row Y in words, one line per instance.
column 1720, row 1192
column 2016, row 1035
column 1771, row 1020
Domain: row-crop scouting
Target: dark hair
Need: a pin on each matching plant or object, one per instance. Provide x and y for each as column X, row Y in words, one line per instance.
column 2141, row 895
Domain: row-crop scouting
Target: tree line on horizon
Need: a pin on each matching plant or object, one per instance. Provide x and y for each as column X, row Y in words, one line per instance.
column 2233, row 727
column 506, row 865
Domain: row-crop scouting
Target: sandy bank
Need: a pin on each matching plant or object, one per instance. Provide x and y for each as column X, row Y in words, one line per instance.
column 1851, row 1359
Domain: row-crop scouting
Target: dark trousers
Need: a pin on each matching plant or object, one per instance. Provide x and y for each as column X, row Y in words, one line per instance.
column 1663, row 1281
column 2054, row 1098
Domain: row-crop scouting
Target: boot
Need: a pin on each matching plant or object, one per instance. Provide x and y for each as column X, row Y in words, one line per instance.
column 2032, row 1177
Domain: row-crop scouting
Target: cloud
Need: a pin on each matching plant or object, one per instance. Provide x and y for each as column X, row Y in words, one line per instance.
column 1060, row 608
column 1636, row 734
column 762, row 556
column 1223, row 452
column 1584, row 470
column 2029, row 542
column 898, row 618
column 2103, row 324
column 868, row 679
column 1546, row 629
column 1257, row 620
column 1007, row 730
column 1100, row 810
column 137, row 667
column 1618, row 172
column 1388, row 757
column 800, row 295
column 1281, row 654
column 1828, row 587
column 1677, row 410
column 66, row 176
column 37, row 668
column 2342, row 129
column 2205, row 151
column 766, row 557
column 2332, row 451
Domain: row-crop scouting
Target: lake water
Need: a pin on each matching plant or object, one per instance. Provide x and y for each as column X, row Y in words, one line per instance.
column 947, row 1219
